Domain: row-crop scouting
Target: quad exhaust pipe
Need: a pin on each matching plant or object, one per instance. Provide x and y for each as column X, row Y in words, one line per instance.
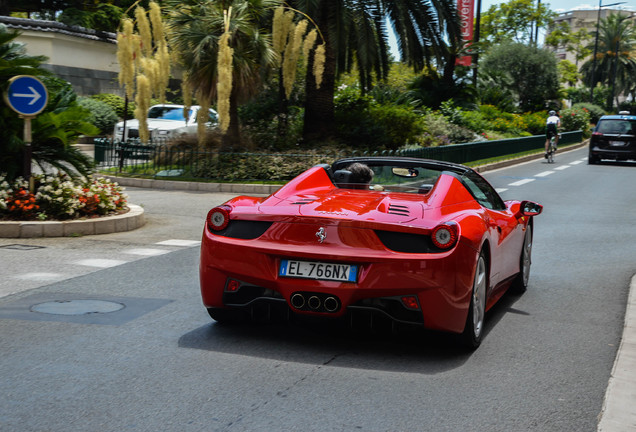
column 315, row 302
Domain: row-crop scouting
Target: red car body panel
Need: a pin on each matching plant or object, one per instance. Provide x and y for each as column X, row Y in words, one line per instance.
column 351, row 221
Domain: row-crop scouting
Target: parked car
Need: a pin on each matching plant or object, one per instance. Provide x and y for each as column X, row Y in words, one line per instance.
column 165, row 122
column 425, row 243
column 614, row 137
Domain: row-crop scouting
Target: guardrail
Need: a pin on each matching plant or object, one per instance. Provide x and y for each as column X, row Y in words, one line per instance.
column 161, row 160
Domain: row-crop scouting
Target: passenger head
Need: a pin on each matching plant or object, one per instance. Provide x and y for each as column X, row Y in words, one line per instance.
column 361, row 174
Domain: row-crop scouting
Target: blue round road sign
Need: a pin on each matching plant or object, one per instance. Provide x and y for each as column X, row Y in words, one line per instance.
column 26, row 95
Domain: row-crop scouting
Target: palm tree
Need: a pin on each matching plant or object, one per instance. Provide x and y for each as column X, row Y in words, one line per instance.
column 615, row 59
column 196, row 27
column 356, row 32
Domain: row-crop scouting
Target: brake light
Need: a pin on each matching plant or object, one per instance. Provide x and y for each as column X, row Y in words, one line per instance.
column 410, row 302
column 597, row 133
column 219, row 217
column 232, row 285
column 445, row 236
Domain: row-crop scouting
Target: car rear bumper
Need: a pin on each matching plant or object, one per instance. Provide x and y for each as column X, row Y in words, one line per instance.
column 441, row 282
column 614, row 153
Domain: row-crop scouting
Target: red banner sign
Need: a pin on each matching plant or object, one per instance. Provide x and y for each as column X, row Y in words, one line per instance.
column 466, row 10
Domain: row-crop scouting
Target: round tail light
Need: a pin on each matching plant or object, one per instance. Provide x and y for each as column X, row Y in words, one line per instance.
column 445, row 236
column 219, row 217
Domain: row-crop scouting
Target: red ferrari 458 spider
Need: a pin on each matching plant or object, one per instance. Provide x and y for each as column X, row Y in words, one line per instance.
column 405, row 240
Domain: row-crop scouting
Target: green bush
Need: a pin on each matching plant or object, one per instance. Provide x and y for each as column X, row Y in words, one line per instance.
column 475, row 121
column 573, row 119
column 535, row 122
column 439, row 131
column 117, row 103
column 251, row 166
column 365, row 124
column 595, row 111
column 102, row 115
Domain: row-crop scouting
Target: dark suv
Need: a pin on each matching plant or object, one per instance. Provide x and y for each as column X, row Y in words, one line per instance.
column 614, row 137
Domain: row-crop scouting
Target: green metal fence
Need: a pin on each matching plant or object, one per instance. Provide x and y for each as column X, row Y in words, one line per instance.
column 470, row 152
column 160, row 160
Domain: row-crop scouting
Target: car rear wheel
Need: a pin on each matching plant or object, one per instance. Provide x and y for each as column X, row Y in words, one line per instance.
column 474, row 330
column 520, row 284
column 226, row 316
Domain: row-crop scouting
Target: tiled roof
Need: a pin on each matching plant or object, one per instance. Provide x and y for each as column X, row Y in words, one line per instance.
column 57, row 27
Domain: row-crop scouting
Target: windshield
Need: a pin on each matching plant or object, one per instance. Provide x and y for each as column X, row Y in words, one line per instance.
column 617, row 126
column 167, row 113
column 387, row 177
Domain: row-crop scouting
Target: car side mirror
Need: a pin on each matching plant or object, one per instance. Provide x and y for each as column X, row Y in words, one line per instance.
column 529, row 208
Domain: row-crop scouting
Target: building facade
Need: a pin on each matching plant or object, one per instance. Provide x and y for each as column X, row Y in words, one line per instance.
column 585, row 20
column 86, row 58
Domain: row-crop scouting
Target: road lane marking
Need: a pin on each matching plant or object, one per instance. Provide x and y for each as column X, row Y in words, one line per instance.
column 521, row 182
column 544, row 174
column 501, row 190
column 576, row 162
column 561, row 168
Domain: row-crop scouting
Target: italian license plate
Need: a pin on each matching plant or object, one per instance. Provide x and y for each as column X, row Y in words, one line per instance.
column 617, row 143
column 318, row 270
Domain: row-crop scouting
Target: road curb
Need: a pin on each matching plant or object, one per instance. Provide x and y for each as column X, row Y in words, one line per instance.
column 128, row 221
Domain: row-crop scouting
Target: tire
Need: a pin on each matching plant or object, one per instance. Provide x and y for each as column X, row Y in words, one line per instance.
column 592, row 160
column 520, row 283
column 226, row 316
column 474, row 329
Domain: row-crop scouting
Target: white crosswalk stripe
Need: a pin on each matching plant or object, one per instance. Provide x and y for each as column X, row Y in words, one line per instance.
column 146, row 252
column 179, row 242
column 99, row 262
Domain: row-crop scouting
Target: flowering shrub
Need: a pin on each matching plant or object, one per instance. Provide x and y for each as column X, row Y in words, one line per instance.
column 576, row 119
column 60, row 197
column 18, row 201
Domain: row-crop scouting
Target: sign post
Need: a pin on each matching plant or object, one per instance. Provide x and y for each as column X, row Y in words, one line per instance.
column 27, row 96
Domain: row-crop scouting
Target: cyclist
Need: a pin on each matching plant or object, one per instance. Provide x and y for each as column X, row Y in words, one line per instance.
column 552, row 130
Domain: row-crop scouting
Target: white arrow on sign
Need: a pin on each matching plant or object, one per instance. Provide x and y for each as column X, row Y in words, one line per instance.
column 34, row 95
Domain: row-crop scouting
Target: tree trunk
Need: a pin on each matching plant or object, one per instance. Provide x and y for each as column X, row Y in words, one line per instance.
column 319, row 122
column 232, row 138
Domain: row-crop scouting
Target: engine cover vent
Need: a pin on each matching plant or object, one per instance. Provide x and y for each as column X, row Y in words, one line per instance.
column 399, row 210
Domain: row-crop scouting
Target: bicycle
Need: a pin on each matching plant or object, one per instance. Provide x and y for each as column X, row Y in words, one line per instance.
column 552, row 148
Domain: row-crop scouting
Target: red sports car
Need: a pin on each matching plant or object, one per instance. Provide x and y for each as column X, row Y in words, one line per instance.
column 409, row 241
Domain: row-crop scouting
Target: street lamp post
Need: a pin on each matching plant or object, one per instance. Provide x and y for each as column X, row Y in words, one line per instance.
column 598, row 20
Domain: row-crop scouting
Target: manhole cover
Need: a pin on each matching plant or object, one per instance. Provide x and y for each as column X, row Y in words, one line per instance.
column 77, row 307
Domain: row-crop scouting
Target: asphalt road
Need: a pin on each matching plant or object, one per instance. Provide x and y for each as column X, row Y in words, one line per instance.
column 161, row 364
